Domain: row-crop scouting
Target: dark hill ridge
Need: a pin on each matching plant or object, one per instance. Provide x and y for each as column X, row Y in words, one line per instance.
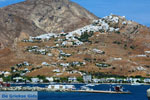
column 34, row 17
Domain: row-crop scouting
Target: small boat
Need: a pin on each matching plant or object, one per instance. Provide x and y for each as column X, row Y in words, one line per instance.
column 136, row 84
column 117, row 90
column 120, row 89
column 85, row 88
column 90, row 85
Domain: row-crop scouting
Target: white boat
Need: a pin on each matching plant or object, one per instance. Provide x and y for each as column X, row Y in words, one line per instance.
column 86, row 88
column 90, row 85
column 136, row 84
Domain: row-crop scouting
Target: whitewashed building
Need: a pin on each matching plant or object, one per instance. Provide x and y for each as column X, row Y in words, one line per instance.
column 50, row 79
column 6, row 74
column 87, row 78
column 146, row 80
column 35, row 80
column 72, row 79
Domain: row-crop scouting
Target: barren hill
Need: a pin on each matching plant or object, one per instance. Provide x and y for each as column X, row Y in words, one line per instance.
column 34, row 17
column 111, row 45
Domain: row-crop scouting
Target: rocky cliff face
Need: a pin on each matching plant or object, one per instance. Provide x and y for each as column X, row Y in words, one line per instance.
column 34, row 17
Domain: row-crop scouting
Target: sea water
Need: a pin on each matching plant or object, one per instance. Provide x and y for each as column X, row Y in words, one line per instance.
column 137, row 93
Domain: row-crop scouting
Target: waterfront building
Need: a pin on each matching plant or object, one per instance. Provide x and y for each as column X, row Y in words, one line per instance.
column 72, row 79
column 35, row 80
column 1, row 79
column 18, row 79
column 147, row 80
column 87, row 78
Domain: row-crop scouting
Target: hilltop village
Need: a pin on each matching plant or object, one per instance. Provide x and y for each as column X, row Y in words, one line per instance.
column 106, row 51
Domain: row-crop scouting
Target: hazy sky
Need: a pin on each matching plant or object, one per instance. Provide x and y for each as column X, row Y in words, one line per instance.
column 136, row 10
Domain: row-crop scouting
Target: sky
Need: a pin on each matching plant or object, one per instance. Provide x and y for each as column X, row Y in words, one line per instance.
column 136, row 10
column 9, row 2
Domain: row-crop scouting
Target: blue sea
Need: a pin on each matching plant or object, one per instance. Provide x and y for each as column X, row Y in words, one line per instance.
column 138, row 93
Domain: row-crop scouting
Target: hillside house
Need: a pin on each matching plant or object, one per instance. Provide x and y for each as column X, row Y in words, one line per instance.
column 140, row 68
column 50, row 79
column 45, row 64
column 1, row 72
column 56, row 70
column 147, row 52
column 117, row 59
column 64, row 64
column 6, row 74
column 98, row 51
column 1, row 79
column 18, row 79
column 66, row 43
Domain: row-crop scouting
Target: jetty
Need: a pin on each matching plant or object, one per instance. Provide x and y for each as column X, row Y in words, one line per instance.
column 101, row 91
column 20, row 88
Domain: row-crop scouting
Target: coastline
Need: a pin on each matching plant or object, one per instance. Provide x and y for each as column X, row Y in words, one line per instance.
column 77, row 83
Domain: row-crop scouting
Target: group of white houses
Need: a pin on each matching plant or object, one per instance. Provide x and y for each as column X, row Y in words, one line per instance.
column 100, row 25
column 128, row 80
column 5, row 73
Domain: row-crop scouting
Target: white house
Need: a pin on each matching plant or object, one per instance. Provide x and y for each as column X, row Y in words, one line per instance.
column 65, row 64
column 41, row 81
column 56, row 70
column 117, row 59
column 17, row 79
column 50, row 79
column 111, row 79
column 66, row 43
column 35, row 80
column 95, row 80
column 45, row 64
column 140, row 68
column 2, row 72
column 50, row 55
column 72, row 79
column 148, row 52
column 136, row 79
column 146, row 80
column 142, row 55
column 58, row 74
column 6, row 74
column 98, row 51
column 26, row 63
column 87, row 78
column 1, row 79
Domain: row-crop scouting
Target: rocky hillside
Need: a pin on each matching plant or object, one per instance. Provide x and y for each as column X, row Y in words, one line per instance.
column 111, row 45
column 35, row 17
